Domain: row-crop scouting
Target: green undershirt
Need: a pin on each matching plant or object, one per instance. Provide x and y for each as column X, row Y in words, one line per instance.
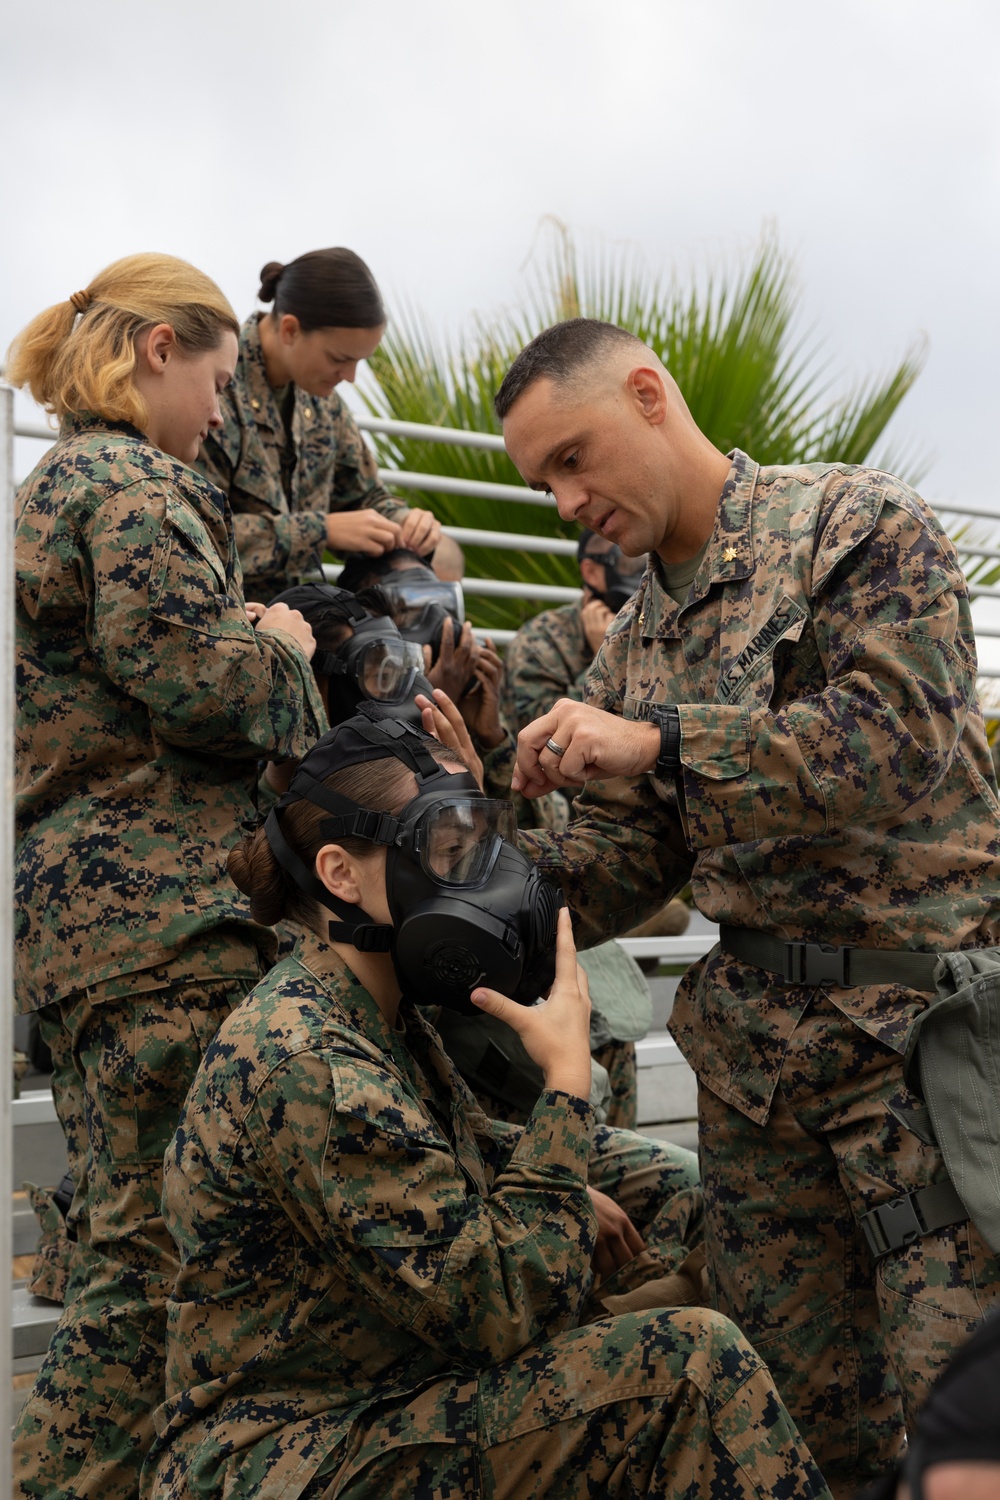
column 678, row 577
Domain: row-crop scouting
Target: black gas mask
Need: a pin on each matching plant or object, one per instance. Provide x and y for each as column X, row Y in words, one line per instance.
column 421, row 603
column 620, row 580
column 373, row 663
column 467, row 907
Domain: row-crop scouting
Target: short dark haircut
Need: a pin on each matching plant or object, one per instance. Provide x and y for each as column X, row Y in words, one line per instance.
column 324, row 289
column 559, row 354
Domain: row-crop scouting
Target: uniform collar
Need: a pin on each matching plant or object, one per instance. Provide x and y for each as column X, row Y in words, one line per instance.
column 88, row 421
column 348, row 994
column 261, row 409
column 729, row 555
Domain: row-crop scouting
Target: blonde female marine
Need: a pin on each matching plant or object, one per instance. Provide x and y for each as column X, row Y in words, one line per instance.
column 146, row 697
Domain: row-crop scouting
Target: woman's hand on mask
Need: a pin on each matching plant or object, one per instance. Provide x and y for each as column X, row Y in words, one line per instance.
column 595, row 617
column 420, row 530
column 480, row 707
column 364, row 530
column 293, row 622
column 556, row 1032
column 442, row 719
column 456, row 661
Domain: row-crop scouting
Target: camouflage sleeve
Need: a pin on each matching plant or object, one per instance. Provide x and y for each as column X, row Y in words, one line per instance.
column 498, row 767
column 475, row 1277
column 166, row 632
column 269, row 544
column 893, row 627
column 623, row 854
column 356, row 482
column 272, row 545
column 535, row 675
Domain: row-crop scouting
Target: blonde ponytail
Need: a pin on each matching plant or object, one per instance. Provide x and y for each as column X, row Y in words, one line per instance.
column 79, row 356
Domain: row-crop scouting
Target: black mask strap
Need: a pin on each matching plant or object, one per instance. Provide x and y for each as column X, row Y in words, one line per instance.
column 409, row 745
column 355, row 927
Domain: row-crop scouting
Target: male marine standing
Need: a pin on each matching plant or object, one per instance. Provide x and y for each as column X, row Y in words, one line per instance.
column 801, row 738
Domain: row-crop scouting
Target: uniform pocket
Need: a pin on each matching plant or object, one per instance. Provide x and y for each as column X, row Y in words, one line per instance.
column 189, row 586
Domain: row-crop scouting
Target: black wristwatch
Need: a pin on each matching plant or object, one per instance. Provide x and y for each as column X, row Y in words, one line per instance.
column 668, row 762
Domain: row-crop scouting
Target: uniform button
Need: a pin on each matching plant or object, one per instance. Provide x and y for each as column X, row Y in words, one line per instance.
column 255, row 403
column 308, row 413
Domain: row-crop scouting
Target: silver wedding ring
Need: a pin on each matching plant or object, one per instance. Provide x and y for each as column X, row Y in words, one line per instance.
column 556, row 749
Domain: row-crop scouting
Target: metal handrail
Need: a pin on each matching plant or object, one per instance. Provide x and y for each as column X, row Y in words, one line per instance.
column 460, row 437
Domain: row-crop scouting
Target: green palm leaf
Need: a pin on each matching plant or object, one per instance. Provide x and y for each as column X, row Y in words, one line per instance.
column 727, row 339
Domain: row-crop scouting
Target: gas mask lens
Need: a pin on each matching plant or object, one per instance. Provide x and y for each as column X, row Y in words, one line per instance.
column 387, row 669
column 417, row 595
column 458, row 839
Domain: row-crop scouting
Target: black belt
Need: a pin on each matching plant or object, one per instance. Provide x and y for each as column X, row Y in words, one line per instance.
column 821, row 963
column 903, row 1220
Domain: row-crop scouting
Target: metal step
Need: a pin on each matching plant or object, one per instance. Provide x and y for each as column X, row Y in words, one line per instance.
column 33, row 1322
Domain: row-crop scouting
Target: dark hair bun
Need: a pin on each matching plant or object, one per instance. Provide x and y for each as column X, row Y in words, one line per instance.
column 258, row 875
column 269, row 280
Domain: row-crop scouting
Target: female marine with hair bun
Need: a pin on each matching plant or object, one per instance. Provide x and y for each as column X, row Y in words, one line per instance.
column 289, row 455
column 145, row 699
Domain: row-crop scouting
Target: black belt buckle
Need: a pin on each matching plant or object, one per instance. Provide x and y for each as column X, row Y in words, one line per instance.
column 891, row 1226
column 817, row 963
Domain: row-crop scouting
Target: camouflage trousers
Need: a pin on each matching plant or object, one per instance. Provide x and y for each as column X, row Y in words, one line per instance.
column 87, row 1423
column 658, row 1404
column 56, row 1247
column 619, row 1060
column 854, row 1345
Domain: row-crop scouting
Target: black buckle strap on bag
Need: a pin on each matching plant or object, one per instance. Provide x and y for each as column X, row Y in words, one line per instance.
column 903, row 1220
column 814, row 964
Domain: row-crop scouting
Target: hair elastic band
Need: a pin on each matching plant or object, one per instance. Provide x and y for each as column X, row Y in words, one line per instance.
column 81, row 301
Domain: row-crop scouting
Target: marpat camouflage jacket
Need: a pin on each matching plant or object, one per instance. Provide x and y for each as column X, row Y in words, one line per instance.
column 836, row 783
column 351, row 1228
column 144, row 699
column 280, row 498
column 548, row 658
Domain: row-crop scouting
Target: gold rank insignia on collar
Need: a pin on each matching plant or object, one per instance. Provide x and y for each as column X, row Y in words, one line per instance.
column 729, row 555
column 255, row 403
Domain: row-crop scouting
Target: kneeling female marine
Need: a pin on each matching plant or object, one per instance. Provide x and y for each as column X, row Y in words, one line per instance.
column 382, row 1292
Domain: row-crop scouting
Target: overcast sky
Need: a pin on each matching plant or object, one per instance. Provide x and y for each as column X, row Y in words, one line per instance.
column 434, row 137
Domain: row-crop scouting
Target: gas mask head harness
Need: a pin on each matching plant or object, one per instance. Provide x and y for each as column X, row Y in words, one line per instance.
column 620, row 580
column 467, row 907
column 420, row 601
column 373, row 662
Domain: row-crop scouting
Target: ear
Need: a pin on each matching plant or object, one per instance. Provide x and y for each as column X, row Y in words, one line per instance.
column 592, row 573
column 289, row 328
column 338, row 872
column 159, row 346
column 648, row 392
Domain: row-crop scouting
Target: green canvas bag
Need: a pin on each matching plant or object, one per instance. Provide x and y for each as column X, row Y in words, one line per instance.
column 952, row 1061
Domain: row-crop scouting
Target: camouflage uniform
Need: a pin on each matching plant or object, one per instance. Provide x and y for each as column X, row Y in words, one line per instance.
column 145, row 698
column 281, row 491
column 384, row 1293
column 836, row 785
column 548, row 658
column 615, row 1056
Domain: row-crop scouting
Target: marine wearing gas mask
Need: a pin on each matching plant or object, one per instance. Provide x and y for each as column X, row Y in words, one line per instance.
column 467, row 908
column 372, row 662
column 622, row 576
column 420, row 601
